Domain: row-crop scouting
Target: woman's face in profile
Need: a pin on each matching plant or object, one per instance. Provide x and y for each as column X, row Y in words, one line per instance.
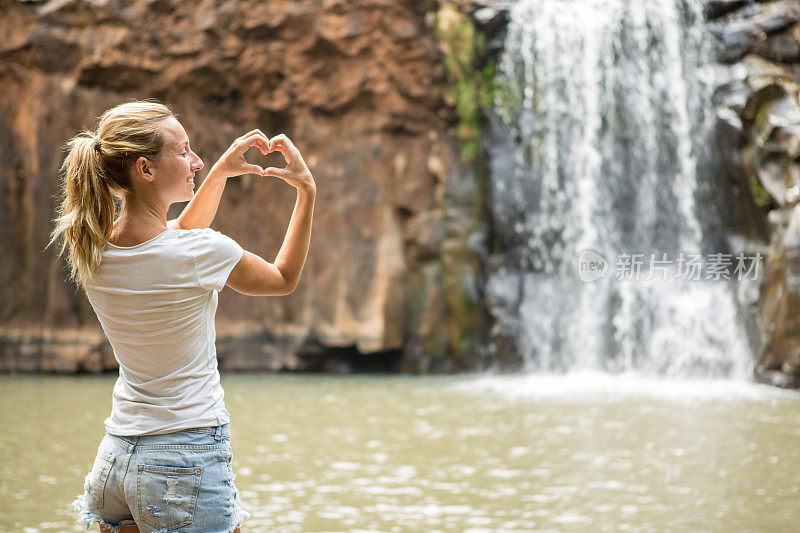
column 174, row 169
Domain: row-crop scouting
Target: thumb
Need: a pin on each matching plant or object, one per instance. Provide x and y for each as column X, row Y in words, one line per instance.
column 277, row 172
column 255, row 169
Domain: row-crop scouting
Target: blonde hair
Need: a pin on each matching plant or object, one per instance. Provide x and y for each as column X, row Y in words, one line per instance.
column 95, row 172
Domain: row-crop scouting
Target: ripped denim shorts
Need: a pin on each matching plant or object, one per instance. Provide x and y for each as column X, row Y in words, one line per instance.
column 180, row 481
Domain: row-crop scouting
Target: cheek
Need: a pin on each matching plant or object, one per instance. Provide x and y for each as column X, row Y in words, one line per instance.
column 181, row 166
column 177, row 171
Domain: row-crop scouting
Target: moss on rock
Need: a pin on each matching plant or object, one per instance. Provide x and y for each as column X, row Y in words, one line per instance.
column 471, row 88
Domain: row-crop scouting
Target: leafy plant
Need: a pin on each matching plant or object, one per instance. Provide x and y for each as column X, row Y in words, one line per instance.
column 471, row 88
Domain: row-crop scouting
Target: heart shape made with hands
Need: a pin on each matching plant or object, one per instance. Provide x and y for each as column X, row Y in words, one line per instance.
column 265, row 159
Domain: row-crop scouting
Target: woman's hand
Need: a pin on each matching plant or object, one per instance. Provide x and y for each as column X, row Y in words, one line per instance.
column 232, row 162
column 203, row 207
column 295, row 173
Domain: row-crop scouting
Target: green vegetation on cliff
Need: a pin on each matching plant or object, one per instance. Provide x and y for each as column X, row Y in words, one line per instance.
column 471, row 88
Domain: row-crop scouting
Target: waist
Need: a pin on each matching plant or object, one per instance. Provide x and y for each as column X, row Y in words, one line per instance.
column 192, row 435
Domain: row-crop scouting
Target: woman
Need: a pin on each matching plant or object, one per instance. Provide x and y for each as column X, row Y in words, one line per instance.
column 165, row 461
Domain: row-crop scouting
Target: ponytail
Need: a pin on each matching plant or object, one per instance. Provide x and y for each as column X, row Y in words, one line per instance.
column 86, row 214
column 95, row 172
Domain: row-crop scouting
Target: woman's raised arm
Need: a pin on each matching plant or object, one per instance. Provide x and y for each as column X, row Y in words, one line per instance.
column 255, row 276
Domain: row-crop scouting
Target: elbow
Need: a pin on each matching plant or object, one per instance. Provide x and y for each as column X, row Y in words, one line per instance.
column 290, row 287
column 289, row 283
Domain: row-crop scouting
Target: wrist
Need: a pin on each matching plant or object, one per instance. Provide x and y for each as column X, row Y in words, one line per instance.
column 216, row 174
column 307, row 190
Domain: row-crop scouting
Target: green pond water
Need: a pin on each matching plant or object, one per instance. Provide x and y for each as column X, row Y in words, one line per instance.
column 585, row 452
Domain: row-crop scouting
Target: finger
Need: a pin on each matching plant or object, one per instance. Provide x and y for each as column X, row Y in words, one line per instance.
column 285, row 145
column 277, row 172
column 287, row 154
column 250, row 140
column 249, row 133
column 283, row 140
column 256, row 139
column 254, row 169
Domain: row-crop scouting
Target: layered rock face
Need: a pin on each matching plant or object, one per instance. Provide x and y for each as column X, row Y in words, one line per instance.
column 357, row 85
column 760, row 132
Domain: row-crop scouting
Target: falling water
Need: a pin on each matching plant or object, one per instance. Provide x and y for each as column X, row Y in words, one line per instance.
column 602, row 141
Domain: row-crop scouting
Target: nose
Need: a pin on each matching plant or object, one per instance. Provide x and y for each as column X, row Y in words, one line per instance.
column 198, row 163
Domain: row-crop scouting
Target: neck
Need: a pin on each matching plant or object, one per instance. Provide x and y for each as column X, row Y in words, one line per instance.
column 143, row 215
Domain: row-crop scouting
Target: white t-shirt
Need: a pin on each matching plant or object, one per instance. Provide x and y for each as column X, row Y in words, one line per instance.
column 156, row 302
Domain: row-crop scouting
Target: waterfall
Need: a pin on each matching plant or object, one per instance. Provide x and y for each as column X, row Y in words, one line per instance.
column 601, row 145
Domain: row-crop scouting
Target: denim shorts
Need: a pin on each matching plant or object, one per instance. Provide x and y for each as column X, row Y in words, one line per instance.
column 180, row 481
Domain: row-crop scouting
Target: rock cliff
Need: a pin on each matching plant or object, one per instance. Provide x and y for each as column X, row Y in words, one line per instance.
column 391, row 278
column 759, row 125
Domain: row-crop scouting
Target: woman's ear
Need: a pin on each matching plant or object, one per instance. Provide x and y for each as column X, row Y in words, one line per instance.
column 143, row 168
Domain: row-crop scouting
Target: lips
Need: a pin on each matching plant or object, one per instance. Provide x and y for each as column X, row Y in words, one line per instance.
column 190, row 179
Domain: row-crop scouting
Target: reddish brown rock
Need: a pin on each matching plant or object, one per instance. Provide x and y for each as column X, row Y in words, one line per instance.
column 358, row 87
